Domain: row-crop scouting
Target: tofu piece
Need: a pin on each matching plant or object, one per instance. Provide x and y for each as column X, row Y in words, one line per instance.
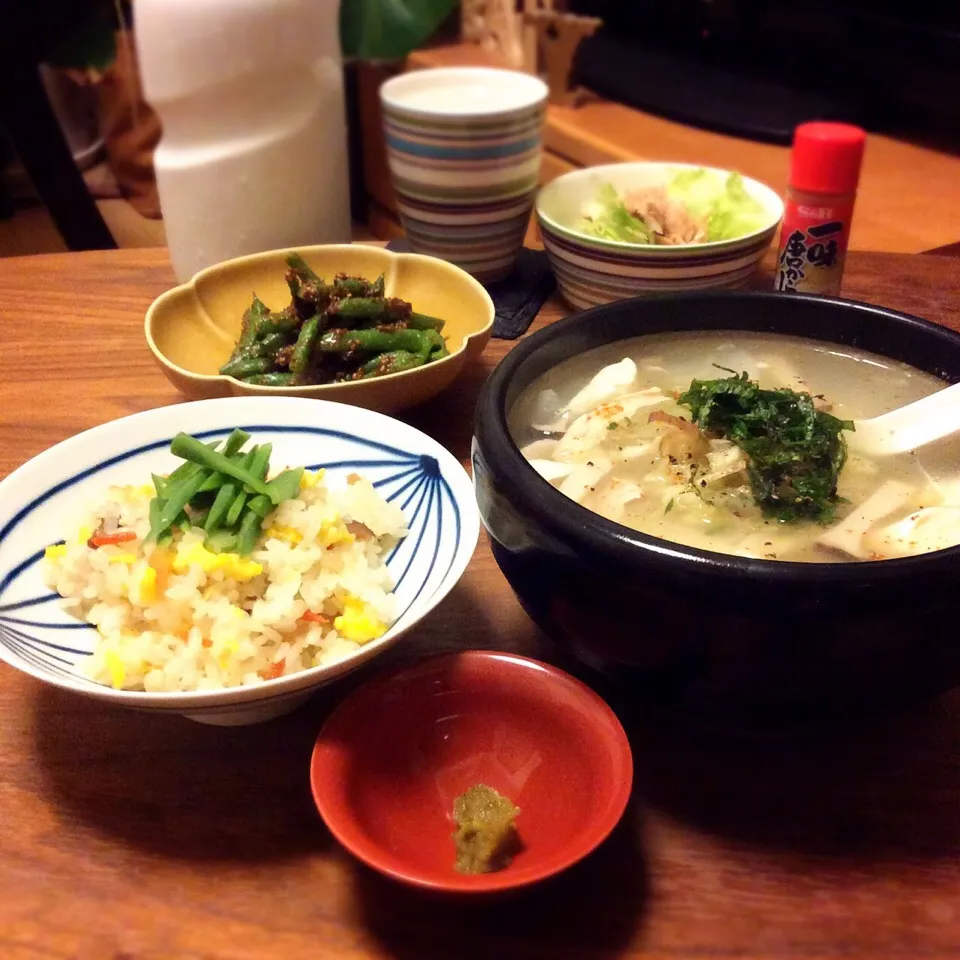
column 607, row 384
column 922, row 531
column 848, row 535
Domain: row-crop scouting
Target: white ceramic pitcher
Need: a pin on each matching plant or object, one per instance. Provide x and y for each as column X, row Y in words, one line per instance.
column 253, row 154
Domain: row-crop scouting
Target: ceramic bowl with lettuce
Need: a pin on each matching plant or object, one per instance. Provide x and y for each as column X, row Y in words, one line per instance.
column 629, row 229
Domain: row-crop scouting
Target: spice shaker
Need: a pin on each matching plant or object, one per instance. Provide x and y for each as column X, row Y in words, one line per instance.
column 824, row 172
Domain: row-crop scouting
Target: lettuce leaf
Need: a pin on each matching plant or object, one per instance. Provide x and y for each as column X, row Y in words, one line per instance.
column 724, row 206
column 721, row 204
column 610, row 219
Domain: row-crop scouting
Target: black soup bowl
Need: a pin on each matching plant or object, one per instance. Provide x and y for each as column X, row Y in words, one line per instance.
column 755, row 645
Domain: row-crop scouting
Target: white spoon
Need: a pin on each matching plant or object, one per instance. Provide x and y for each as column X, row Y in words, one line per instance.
column 909, row 427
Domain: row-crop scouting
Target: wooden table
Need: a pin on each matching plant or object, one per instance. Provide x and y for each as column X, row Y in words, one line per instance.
column 129, row 837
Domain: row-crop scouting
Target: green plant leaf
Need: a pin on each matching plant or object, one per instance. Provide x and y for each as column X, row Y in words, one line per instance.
column 389, row 29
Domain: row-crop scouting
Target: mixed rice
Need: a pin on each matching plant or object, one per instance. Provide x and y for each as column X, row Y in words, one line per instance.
column 179, row 617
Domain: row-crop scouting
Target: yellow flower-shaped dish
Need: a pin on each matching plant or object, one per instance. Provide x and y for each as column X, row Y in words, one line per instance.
column 192, row 329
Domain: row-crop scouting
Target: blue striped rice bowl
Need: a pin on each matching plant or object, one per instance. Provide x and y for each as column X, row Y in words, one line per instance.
column 464, row 147
column 591, row 270
column 59, row 644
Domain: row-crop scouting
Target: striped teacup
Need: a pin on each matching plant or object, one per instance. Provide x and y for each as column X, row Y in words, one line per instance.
column 464, row 146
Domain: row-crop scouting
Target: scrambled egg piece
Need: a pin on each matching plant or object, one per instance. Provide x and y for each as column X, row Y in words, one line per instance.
column 55, row 550
column 285, row 533
column 115, row 666
column 227, row 649
column 357, row 623
column 128, row 558
column 232, row 564
column 334, row 531
column 147, row 586
column 310, row 478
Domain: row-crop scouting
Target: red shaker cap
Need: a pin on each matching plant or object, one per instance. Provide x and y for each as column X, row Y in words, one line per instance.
column 826, row 157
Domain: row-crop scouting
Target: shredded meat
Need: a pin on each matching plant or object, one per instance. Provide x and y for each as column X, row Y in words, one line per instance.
column 661, row 416
column 670, row 221
column 360, row 530
column 683, row 441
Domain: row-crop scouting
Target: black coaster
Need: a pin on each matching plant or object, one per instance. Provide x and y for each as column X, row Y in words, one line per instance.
column 517, row 298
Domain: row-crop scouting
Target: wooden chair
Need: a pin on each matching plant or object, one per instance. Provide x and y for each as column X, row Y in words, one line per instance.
column 30, row 30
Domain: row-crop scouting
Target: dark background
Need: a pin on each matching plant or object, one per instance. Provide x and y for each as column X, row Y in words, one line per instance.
column 757, row 67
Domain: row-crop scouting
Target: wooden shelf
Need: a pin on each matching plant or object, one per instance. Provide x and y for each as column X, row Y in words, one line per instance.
column 909, row 194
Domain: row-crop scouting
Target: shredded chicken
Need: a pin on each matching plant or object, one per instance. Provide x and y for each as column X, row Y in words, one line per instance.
column 669, row 220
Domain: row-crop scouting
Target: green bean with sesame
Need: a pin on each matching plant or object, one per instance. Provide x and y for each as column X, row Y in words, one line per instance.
column 332, row 331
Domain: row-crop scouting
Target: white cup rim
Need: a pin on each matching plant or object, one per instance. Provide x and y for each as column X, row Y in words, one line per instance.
column 526, row 91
